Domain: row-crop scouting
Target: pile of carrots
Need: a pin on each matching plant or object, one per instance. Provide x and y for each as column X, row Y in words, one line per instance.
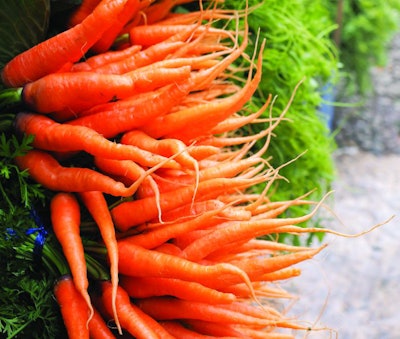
column 149, row 100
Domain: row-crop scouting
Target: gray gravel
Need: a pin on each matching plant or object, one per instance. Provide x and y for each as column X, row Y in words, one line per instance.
column 353, row 286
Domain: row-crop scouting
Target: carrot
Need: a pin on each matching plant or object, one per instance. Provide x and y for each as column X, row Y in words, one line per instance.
column 163, row 147
column 139, row 262
column 180, row 331
column 238, row 231
column 77, row 91
column 50, row 55
column 45, row 170
column 167, row 308
column 161, row 9
column 65, row 219
column 146, row 287
column 98, row 328
column 135, row 321
column 159, row 235
column 130, row 10
column 257, row 267
column 102, row 59
column 125, row 215
column 83, row 11
column 97, row 206
column 52, row 136
column 143, row 58
column 131, row 113
column 146, row 35
column 73, row 308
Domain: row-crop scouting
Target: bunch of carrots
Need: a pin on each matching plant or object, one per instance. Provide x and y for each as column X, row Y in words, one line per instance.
column 136, row 112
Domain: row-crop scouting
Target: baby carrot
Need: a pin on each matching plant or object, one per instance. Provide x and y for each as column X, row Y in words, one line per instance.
column 77, row 91
column 145, row 287
column 45, row 170
column 65, row 219
column 131, row 8
column 73, row 308
column 135, row 321
column 53, row 136
column 69, row 46
column 97, row 206
column 83, row 11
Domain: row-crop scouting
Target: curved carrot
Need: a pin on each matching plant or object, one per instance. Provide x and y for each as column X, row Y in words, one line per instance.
column 45, row 170
column 97, row 206
column 144, row 287
column 166, row 308
column 84, row 10
column 98, row 328
column 65, row 219
column 77, row 91
column 133, row 112
column 147, row 35
column 73, row 308
column 134, row 320
column 129, row 11
column 125, row 215
column 52, row 136
column 102, row 59
column 69, row 46
column 137, row 261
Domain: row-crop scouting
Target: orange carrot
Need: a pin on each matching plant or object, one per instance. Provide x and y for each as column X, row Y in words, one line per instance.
column 45, row 170
column 139, row 262
column 97, row 206
column 144, row 287
column 83, row 11
column 166, row 308
column 52, row 136
column 125, row 215
column 65, row 219
column 77, row 91
column 134, row 320
column 98, row 328
column 50, row 55
column 131, row 8
column 73, row 308
column 102, row 59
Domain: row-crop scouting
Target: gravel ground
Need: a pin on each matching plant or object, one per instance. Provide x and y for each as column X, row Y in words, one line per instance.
column 352, row 287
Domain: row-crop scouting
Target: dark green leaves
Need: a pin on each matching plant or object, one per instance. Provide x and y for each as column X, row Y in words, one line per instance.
column 23, row 23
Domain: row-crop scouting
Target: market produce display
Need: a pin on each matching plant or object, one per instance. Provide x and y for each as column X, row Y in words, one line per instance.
column 130, row 132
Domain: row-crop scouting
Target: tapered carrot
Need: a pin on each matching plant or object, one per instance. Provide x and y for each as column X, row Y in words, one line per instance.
column 125, row 215
column 82, row 11
column 65, row 219
column 97, row 206
column 98, row 328
column 239, row 231
column 257, row 267
column 130, row 10
column 161, row 9
column 181, row 331
column 53, row 136
column 166, row 308
column 69, row 46
column 45, row 170
column 139, row 262
column 134, row 320
column 73, row 308
column 77, row 91
column 146, row 287
column 97, row 60
column 147, row 35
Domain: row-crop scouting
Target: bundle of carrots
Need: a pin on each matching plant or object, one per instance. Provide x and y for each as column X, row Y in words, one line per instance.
column 151, row 101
